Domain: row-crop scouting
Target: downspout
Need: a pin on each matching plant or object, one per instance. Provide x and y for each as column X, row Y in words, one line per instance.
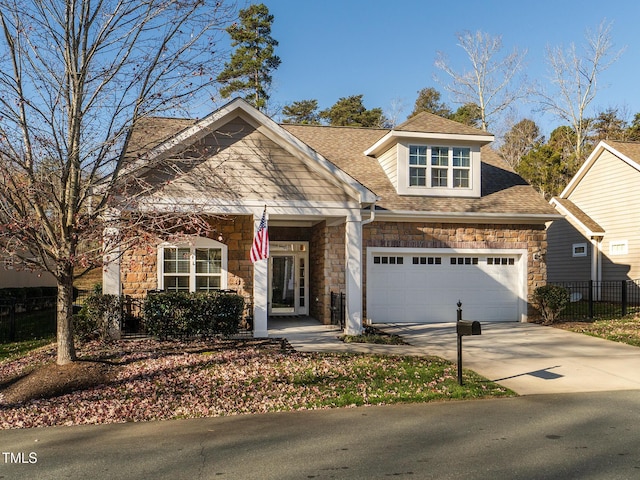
column 372, row 217
column 596, row 265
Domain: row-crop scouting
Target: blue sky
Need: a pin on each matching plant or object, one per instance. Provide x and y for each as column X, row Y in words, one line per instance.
column 386, row 50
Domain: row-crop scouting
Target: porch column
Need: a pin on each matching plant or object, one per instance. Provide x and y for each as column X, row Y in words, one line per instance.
column 353, row 276
column 111, row 281
column 260, row 291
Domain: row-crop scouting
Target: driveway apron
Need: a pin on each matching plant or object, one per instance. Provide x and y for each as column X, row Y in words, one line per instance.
column 525, row 357
column 532, row 359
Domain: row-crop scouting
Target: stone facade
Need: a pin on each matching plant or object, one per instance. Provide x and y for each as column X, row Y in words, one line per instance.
column 139, row 265
column 327, row 263
column 327, row 253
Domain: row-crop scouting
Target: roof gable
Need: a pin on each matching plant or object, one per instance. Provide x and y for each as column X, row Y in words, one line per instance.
column 430, row 123
column 628, row 152
column 142, row 160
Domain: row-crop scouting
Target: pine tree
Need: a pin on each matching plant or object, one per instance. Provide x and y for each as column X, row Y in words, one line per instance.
column 250, row 67
column 303, row 112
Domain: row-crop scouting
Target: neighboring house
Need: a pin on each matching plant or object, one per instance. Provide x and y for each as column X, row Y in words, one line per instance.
column 599, row 237
column 404, row 221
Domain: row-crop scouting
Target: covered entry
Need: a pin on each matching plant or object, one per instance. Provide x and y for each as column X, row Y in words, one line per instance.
column 424, row 285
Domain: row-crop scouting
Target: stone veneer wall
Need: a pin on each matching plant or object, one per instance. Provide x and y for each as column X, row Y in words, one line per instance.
column 327, row 264
column 139, row 272
column 533, row 238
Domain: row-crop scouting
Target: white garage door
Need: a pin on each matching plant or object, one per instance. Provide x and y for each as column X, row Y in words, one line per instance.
column 424, row 286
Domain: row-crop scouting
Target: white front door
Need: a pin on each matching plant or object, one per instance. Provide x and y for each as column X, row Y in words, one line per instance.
column 288, row 278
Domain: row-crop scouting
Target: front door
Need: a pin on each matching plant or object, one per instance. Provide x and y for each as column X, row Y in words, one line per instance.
column 288, row 286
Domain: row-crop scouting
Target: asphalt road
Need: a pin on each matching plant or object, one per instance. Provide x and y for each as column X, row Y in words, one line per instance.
column 563, row 436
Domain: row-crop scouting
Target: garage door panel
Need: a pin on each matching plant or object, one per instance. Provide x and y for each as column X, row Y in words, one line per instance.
column 425, row 287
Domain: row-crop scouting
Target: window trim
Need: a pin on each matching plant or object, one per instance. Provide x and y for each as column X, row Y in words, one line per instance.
column 575, row 247
column 615, row 243
column 193, row 243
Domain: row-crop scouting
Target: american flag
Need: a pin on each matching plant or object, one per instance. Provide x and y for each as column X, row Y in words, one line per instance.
column 260, row 247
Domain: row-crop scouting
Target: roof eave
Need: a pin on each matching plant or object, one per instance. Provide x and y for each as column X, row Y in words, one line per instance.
column 392, row 137
column 467, row 217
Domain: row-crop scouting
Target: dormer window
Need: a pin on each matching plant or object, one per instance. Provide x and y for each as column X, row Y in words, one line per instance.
column 438, row 170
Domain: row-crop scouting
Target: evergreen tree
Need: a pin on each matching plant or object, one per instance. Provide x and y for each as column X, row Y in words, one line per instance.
column 429, row 101
column 608, row 126
column 469, row 114
column 249, row 70
column 350, row 111
column 633, row 131
column 303, row 112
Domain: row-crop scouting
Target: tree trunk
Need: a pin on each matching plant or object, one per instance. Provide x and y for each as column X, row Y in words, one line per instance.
column 64, row 314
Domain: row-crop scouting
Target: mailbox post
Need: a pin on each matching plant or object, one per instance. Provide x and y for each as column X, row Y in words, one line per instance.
column 463, row 328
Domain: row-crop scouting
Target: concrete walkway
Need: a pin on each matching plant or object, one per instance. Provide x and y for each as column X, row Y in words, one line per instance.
column 527, row 358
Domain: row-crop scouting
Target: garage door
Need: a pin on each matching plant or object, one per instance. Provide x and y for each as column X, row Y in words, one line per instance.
column 424, row 287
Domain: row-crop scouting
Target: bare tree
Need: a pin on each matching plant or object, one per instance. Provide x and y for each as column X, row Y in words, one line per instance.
column 491, row 81
column 523, row 137
column 574, row 79
column 75, row 77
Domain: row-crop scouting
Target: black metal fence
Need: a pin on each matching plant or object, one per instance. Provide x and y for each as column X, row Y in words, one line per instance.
column 338, row 311
column 600, row 299
column 27, row 319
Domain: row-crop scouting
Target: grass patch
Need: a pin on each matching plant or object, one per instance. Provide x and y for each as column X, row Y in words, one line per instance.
column 623, row 330
column 373, row 380
column 19, row 349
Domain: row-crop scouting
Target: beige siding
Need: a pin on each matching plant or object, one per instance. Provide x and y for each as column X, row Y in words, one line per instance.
column 238, row 162
column 562, row 266
column 608, row 193
column 389, row 163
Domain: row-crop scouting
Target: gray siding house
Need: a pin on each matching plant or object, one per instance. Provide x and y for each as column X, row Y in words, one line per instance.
column 599, row 237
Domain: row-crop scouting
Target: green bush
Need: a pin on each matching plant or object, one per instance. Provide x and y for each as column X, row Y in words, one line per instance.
column 99, row 317
column 190, row 314
column 550, row 301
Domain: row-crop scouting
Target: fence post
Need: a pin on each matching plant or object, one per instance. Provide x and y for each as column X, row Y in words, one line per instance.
column 624, row 297
column 591, row 286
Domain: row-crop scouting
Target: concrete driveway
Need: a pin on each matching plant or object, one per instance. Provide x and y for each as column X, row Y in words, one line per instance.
column 532, row 359
column 525, row 357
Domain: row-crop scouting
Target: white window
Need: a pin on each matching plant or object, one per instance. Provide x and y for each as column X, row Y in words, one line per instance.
column 579, row 249
column 200, row 265
column 417, row 166
column 461, row 167
column 618, row 247
column 449, row 167
column 439, row 166
column 438, row 170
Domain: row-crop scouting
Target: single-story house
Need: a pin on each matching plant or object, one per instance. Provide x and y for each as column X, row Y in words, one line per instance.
column 405, row 222
column 598, row 237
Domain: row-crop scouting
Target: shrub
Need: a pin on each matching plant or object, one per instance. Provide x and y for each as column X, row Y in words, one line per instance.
column 99, row 317
column 189, row 314
column 550, row 300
